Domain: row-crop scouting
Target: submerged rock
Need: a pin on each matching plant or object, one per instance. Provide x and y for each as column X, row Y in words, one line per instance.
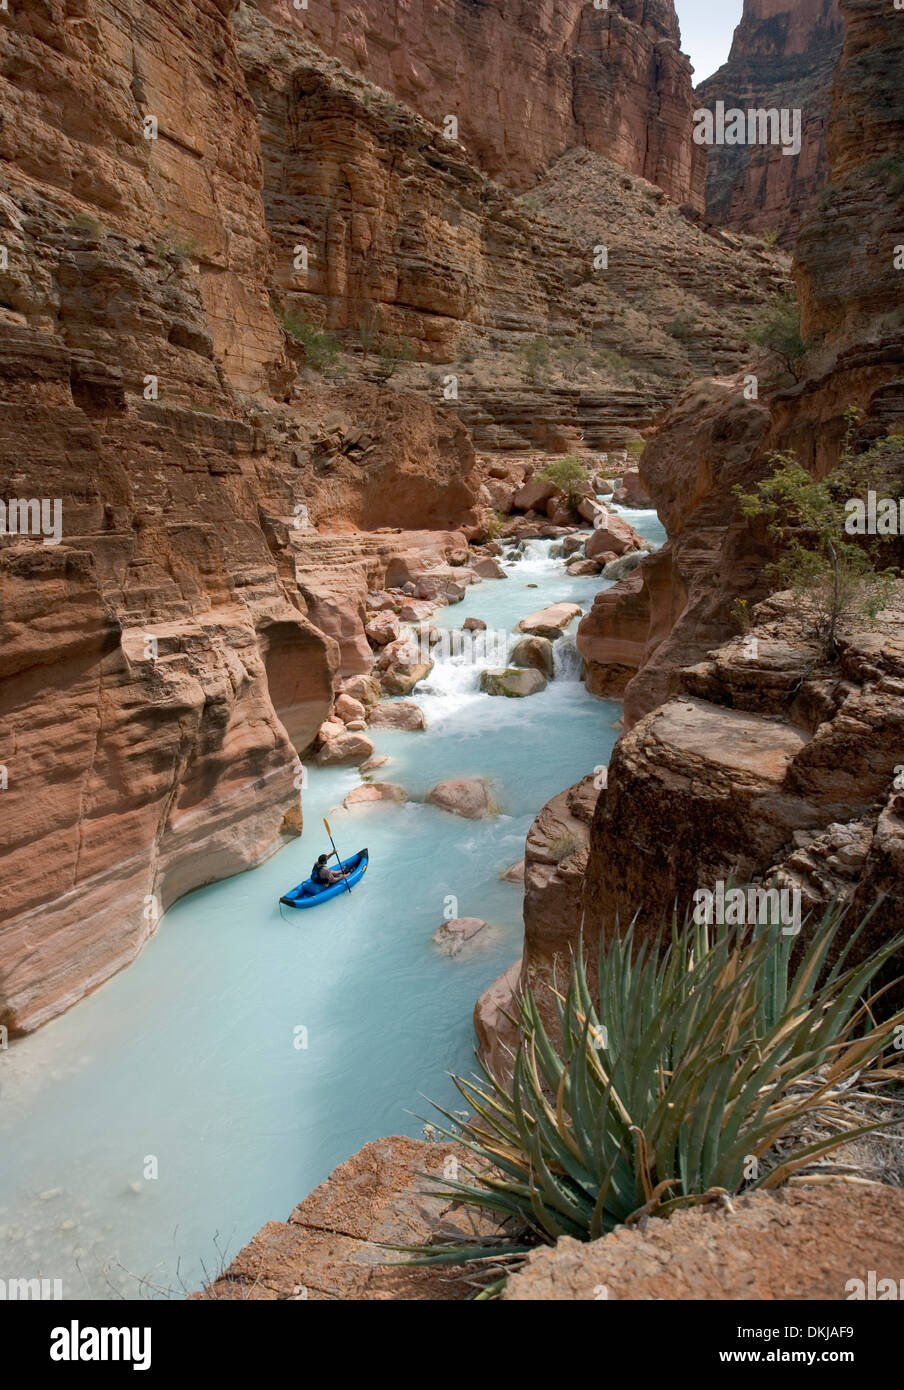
column 515, row 683
column 375, row 791
column 464, row 796
column 452, row 937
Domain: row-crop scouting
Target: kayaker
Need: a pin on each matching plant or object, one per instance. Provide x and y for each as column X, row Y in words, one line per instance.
column 324, row 875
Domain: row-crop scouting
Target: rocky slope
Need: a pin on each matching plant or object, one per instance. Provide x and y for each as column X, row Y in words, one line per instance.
column 526, row 82
column 783, row 56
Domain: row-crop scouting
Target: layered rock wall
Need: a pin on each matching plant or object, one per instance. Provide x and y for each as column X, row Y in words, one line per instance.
column 783, row 57
column 526, row 82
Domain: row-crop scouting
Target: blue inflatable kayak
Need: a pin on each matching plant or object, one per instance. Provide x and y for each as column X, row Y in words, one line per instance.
column 311, row 894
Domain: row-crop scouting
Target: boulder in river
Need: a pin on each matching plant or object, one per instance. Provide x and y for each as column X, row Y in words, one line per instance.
column 379, row 760
column 515, row 874
column 633, row 491
column 550, row 622
column 401, row 666
column 452, row 937
column 535, row 652
column 616, row 535
column 617, row 569
column 348, row 748
column 474, row 625
column 464, row 796
column 404, row 714
column 370, row 792
column 349, row 709
column 488, row 568
column 515, row 682
column 585, row 567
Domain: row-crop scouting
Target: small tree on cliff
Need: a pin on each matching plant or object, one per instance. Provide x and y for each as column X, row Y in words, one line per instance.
column 807, row 517
column 779, row 332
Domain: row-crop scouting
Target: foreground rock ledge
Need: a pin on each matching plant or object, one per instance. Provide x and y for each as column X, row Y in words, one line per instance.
column 802, row 1243
column 333, row 1246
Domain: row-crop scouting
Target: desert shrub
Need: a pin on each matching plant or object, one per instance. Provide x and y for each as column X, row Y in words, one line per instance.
column 779, row 331
column 672, row 1082
column 536, row 357
column 568, row 474
column 681, row 327
column 320, row 348
column 393, row 352
column 818, row 562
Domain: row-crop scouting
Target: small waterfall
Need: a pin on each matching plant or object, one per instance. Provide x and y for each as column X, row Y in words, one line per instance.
column 567, row 661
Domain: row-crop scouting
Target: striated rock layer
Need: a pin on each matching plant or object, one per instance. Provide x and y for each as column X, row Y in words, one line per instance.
column 783, row 57
column 165, row 661
column 524, row 81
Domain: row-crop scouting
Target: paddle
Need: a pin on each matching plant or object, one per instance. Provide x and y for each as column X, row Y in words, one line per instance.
column 335, row 851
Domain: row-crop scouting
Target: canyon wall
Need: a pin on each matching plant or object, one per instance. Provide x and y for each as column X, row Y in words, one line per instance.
column 525, row 81
column 783, row 56
column 752, row 754
column 161, row 674
column 403, row 241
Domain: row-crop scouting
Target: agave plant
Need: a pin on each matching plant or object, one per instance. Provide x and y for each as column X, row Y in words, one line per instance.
column 698, row 1059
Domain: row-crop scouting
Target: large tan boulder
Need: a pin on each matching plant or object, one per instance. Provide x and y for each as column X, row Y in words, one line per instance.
column 366, row 689
column 348, row 749
column 488, row 568
column 550, row 622
column 633, row 491
column 614, row 535
column 349, row 709
column 535, row 652
column 534, row 495
column 514, row 683
column 383, row 629
column 464, row 796
column 402, row 714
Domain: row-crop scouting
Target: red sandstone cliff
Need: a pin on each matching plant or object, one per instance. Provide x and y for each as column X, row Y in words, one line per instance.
column 159, row 670
column 765, row 760
column 527, row 81
column 783, row 55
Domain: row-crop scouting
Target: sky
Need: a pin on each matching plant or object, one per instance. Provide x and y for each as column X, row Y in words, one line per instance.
column 707, row 27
